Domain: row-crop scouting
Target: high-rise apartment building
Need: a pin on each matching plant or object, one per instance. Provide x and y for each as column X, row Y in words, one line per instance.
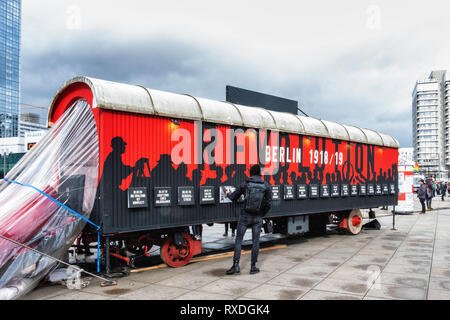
column 10, row 24
column 431, row 124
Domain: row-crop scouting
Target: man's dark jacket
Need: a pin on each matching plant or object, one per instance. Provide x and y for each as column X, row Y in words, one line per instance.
column 422, row 192
column 242, row 190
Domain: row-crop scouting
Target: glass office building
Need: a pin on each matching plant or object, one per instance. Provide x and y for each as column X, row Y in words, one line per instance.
column 9, row 67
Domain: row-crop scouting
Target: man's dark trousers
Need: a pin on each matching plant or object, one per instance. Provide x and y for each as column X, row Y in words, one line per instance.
column 422, row 202
column 245, row 221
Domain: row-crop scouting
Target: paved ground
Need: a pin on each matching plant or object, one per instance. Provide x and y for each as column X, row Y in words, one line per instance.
column 410, row 263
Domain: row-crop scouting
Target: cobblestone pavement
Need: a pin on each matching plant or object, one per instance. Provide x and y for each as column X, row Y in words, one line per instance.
column 412, row 262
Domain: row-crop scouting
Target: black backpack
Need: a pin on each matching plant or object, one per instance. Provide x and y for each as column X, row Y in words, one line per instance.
column 256, row 203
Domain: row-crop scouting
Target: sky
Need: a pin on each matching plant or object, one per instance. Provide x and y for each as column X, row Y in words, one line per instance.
column 352, row 61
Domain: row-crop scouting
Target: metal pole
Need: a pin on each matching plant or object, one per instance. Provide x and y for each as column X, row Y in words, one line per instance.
column 393, row 220
column 107, row 257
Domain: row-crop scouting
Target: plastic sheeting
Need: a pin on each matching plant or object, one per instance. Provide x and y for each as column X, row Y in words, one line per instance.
column 64, row 164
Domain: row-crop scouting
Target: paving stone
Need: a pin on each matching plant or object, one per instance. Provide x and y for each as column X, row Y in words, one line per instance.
column 350, row 273
column 377, row 252
column 187, row 281
column 295, row 280
column 377, row 298
column 124, row 285
column 307, row 269
column 329, row 255
column 343, row 286
column 231, row 286
column 440, row 284
column 326, row 262
column 438, row 295
column 199, row 296
column 404, row 279
column 441, row 263
column 406, row 269
column 152, row 276
column 440, row 272
column 366, row 259
column 215, row 273
column 274, row 292
column 79, row 295
column 397, row 292
column 153, row 292
column 410, row 262
column 325, row 295
column 274, row 266
column 412, row 256
column 46, row 292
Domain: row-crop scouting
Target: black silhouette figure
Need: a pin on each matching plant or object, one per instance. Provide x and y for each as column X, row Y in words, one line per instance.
column 196, row 177
column 301, row 179
column 328, row 178
column 164, row 172
column 293, row 177
column 182, row 172
column 217, row 180
column 285, row 177
column 267, row 177
column 240, row 175
column 114, row 171
column 229, row 171
column 277, row 177
column 339, row 179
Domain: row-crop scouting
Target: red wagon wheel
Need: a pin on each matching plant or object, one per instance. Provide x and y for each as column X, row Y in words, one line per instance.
column 177, row 256
column 139, row 246
column 354, row 222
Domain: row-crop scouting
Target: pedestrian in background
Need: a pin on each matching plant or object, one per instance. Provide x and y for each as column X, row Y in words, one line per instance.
column 197, row 231
column 443, row 189
column 422, row 194
column 233, row 226
column 429, row 196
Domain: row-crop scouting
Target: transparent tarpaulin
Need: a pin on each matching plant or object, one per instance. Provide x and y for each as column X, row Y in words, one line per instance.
column 64, row 165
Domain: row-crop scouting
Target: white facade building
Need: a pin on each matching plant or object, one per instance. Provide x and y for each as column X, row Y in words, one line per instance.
column 25, row 127
column 431, row 125
column 21, row 144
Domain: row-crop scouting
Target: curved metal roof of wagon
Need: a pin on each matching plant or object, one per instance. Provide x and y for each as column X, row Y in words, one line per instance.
column 137, row 99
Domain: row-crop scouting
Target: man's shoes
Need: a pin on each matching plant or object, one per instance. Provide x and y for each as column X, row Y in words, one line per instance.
column 234, row 269
column 233, row 235
column 254, row 269
column 225, row 234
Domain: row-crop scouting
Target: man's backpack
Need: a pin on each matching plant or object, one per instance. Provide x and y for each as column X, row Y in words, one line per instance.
column 255, row 203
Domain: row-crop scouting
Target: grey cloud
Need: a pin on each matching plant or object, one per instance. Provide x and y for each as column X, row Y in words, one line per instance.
column 169, row 63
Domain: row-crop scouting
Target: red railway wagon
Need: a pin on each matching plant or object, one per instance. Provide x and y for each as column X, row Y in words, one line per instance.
column 166, row 160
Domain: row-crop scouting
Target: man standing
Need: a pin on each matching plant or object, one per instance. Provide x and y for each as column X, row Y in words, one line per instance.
column 433, row 188
column 443, row 189
column 258, row 196
column 429, row 196
column 422, row 194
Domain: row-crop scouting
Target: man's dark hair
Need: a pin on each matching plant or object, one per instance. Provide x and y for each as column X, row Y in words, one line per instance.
column 255, row 170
